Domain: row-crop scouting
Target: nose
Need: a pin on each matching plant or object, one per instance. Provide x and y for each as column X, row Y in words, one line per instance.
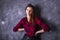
column 29, row 11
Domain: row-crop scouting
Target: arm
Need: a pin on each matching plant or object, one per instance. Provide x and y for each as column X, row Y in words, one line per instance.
column 21, row 29
column 18, row 26
column 42, row 25
column 40, row 31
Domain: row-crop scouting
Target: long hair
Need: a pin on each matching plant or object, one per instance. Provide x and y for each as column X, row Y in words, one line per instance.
column 32, row 19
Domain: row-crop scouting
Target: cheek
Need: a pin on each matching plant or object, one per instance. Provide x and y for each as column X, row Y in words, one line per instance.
column 26, row 11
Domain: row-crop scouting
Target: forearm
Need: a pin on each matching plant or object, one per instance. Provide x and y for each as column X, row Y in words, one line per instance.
column 40, row 31
column 21, row 29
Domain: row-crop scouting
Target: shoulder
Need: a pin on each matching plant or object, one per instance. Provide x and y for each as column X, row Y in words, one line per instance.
column 37, row 18
column 24, row 18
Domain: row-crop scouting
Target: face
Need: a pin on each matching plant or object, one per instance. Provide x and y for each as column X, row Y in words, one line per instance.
column 29, row 11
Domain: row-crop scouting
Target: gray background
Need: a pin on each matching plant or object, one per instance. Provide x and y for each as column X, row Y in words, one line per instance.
column 11, row 11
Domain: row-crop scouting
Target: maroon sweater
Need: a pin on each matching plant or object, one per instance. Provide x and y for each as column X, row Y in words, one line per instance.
column 29, row 28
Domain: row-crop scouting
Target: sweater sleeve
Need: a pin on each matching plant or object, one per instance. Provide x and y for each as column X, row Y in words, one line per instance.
column 42, row 24
column 19, row 25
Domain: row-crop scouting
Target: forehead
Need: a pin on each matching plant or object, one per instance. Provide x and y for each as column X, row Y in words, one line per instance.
column 29, row 8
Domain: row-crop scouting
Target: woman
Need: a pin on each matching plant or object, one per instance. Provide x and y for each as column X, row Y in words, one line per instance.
column 31, row 24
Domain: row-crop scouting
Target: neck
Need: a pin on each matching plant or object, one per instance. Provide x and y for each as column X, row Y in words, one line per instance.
column 28, row 18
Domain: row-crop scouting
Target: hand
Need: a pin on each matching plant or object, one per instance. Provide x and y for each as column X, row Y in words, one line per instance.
column 21, row 29
column 40, row 31
column 36, row 33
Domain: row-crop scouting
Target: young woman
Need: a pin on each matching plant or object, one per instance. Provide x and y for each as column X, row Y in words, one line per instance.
column 31, row 24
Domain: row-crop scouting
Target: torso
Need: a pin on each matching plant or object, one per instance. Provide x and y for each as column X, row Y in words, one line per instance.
column 30, row 28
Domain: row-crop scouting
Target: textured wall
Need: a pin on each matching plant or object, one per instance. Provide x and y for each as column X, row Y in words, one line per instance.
column 11, row 11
